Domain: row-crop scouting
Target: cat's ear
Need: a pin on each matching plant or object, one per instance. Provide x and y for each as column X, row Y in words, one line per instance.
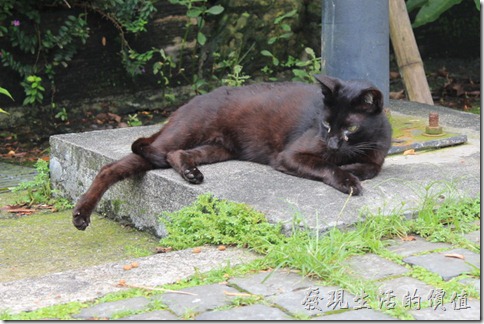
column 328, row 84
column 370, row 100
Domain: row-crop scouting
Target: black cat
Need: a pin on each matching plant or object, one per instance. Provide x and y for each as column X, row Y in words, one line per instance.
column 336, row 133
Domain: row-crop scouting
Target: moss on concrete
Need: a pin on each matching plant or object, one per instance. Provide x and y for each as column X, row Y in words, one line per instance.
column 47, row 242
column 409, row 129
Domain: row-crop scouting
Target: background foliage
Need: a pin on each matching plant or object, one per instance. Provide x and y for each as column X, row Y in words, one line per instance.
column 213, row 42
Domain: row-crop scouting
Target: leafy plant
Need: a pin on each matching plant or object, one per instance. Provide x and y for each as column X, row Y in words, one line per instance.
column 285, row 28
column 5, row 93
column 163, row 67
column 39, row 190
column 447, row 222
column 36, row 52
column 134, row 121
column 62, row 114
column 236, row 78
column 213, row 221
column 33, row 90
column 431, row 10
column 199, row 12
column 304, row 70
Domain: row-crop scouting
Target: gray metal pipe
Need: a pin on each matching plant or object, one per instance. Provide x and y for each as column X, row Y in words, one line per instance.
column 355, row 42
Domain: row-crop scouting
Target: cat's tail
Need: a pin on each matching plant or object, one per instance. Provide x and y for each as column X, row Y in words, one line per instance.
column 107, row 176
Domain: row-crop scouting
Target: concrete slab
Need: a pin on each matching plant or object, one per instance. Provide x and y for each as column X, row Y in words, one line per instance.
column 444, row 264
column 357, row 315
column 273, row 282
column 313, row 301
column 107, row 310
column 406, row 290
column 92, row 282
column 160, row 315
column 204, row 298
column 470, row 310
column 419, row 245
column 373, row 267
column 474, row 237
column 401, row 186
column 256, row 312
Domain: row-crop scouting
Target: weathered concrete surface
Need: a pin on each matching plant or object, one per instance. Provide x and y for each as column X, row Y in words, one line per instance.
column 92, row 282
column 401, row 186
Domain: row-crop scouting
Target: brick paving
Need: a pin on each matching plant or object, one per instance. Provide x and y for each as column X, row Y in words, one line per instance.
column 286, row 295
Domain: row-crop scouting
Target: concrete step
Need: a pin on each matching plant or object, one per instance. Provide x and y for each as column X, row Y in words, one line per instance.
column 402, row 185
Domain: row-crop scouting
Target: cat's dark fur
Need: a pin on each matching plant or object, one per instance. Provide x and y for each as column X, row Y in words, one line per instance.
column 334, row 132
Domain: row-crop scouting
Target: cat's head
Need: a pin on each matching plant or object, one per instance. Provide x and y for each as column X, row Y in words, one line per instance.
column 353, row 113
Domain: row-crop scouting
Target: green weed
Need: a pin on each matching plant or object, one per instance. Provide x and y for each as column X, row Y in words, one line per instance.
column 246, row 300
column 61, row 312
column 448, row 221
column 213, row 221
column 39, row 190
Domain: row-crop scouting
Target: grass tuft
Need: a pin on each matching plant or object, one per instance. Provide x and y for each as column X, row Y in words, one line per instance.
column 214, row 221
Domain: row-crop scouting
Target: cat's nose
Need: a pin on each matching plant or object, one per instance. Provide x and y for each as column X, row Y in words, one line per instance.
column 334, row 143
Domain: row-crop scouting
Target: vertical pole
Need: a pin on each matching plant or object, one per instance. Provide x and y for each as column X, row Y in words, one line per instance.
column 407, row 54
column 355, row 41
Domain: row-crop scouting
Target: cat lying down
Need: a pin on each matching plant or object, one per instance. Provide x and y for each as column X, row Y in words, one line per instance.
column 334, row 132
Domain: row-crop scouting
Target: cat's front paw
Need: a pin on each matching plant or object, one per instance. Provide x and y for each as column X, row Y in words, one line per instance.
column 81, row 216
column 350, row 184
column 193, row 175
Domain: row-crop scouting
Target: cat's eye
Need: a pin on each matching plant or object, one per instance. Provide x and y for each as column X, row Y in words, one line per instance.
column 352, row 128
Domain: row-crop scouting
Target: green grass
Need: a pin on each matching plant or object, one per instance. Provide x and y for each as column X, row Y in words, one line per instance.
column 213, row 221
column 322, row 256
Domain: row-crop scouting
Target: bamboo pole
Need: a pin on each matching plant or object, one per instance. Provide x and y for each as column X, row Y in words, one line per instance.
column 407, row 54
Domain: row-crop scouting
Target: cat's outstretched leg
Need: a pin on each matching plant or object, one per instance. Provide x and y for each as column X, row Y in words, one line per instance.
column 185, row 162
column 363, row 171
column 107, row 176
column 307, row 165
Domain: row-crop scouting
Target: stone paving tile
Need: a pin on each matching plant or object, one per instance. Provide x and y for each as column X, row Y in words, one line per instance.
column 407, row 248
column 405, row 286
column 446, row 267
column 314, row 301
column 474, row 237
column 251, row 312
column 476, row 283
column 356, row 315
column 373, row 267
column 106, row 310
column 160, row 315
column 473, row 312
column 270, row 283
column 207, row 297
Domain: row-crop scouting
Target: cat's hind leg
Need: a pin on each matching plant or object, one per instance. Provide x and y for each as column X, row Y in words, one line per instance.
column 185, row 162
column 107, row 176
column 156, row 156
